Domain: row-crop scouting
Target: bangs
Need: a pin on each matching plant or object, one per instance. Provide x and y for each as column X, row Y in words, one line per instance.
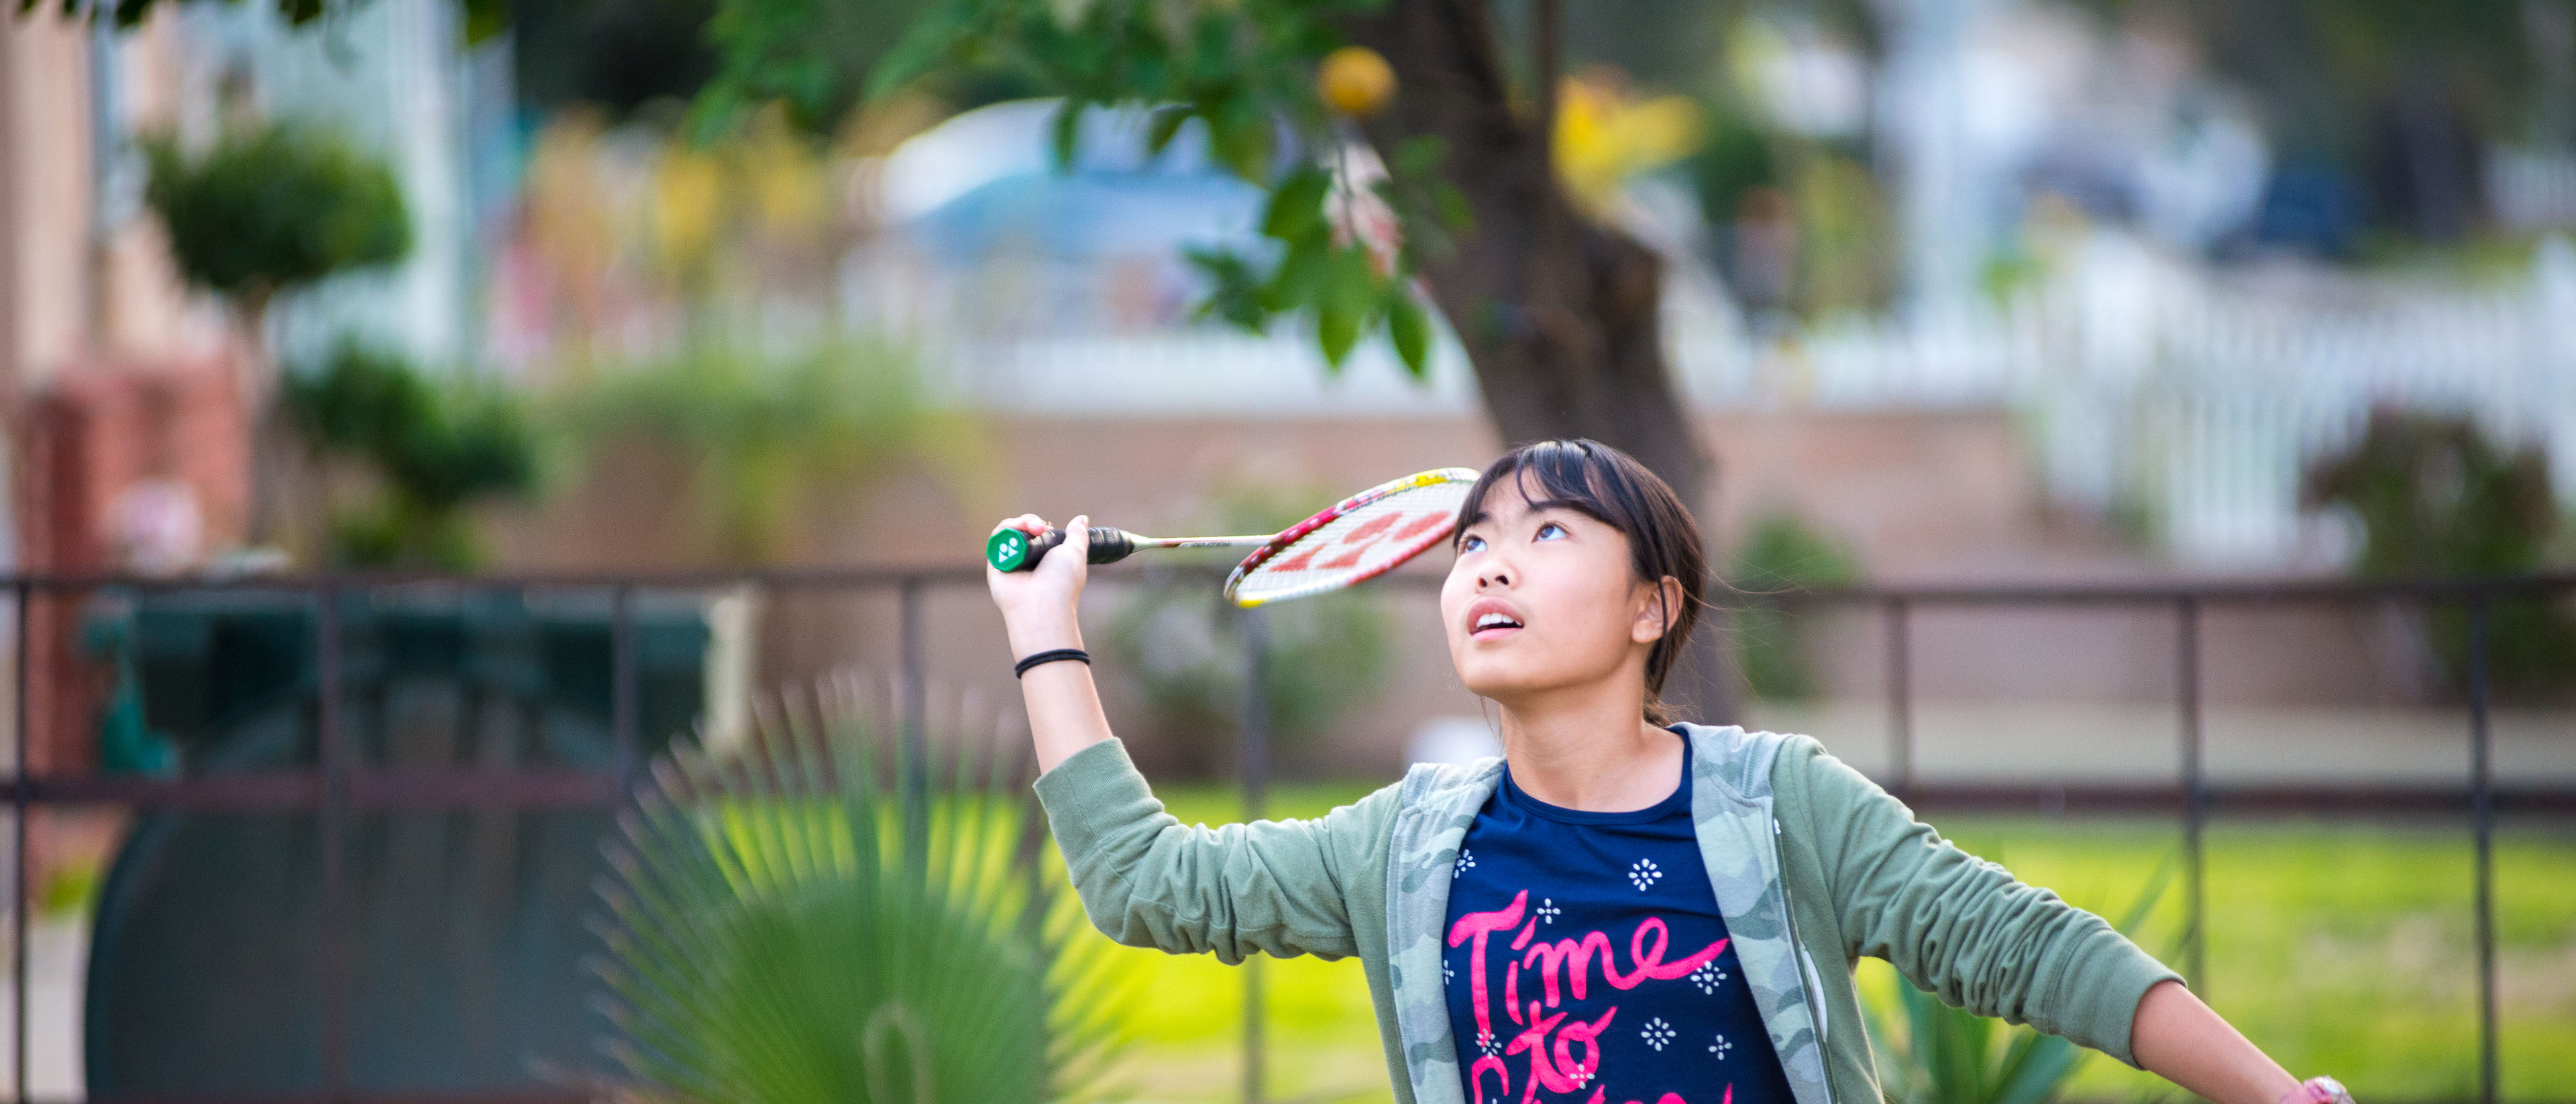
column 1552, row 475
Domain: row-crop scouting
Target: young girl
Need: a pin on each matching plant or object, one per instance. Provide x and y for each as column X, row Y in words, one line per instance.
column 1621, row 908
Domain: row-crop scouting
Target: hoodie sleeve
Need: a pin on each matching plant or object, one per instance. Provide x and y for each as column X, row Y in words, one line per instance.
column 1963, row 928
column 1147, row 880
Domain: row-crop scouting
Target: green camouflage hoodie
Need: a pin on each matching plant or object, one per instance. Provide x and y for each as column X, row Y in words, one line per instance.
column 1814, row 866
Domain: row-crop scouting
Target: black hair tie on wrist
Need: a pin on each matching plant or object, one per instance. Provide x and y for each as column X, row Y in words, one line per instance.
column 1022, row 667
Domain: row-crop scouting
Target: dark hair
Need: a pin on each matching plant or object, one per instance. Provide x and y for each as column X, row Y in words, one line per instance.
column 1611, row 487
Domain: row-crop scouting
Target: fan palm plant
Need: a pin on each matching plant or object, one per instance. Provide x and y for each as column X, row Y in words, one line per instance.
column 1946, row 1055
column 821, row 915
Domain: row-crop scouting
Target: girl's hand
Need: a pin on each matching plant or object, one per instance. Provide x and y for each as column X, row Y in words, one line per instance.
column 1040, row 606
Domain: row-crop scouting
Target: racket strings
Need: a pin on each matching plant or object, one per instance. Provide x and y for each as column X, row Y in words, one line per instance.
column 1356, row 544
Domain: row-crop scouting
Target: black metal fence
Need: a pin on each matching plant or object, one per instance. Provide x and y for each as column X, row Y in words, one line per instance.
column 339, row 786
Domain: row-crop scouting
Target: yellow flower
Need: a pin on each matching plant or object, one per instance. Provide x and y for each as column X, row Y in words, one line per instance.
column 786, row 182
column 688, row 206
column 1604, row 135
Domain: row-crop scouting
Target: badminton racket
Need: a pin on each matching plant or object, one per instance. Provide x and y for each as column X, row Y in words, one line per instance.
column 1357, row 539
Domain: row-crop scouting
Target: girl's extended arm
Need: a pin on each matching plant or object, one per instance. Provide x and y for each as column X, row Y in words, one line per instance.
column 1968, row 931
column 2182, row 1040
column 1039, row 608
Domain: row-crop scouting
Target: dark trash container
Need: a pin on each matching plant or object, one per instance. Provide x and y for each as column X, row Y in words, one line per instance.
column 463, row 929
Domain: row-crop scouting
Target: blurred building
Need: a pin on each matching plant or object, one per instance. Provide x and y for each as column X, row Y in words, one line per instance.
column 129, row 383
column 128, row 431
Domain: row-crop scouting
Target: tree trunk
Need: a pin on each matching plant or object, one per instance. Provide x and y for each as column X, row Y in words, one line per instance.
column 256, row 383
column 1558, row 313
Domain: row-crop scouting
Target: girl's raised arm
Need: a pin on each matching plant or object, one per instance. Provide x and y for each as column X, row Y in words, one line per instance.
column 1039, row 608
column 1145, row 879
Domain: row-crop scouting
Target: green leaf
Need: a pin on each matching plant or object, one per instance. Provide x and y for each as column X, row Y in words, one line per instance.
column 714, row 113
column 1345, row 301
column 485, row 18
column 1337, row 330
column 1296, row 207
column 1166, row 125
column 1455, row 212
column 1300, row 273
column 1420, row 154
column 1064, row 133
column 930, row 41
column 2034, row 1067
column 1211, row 44
column 1410, row 328
column 2146, row 903
column 1240, row 133
column 1235, row 295
column 1350, row 282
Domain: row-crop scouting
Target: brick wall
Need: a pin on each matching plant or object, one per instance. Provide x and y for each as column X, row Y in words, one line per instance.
column 93, row 432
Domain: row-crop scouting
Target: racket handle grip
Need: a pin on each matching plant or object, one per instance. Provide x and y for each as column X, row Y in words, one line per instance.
column 1108, row 545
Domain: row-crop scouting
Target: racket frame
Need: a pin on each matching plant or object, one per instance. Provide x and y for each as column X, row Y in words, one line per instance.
column 1202, row 542
column 1280, row 543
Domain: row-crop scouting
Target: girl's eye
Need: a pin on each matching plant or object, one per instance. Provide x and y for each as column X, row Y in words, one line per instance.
column 1543, row 530
column 1471, row 544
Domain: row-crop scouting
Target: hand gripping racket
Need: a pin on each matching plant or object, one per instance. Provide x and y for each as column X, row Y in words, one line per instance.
column 1358, row 539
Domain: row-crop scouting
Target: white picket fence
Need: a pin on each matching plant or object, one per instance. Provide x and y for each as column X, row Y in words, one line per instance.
column 2249, row 395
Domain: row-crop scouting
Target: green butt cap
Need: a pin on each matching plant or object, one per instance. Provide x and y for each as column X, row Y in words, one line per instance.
column 1008, row 550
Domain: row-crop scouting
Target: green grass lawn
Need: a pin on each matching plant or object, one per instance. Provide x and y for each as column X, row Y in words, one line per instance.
column 2341, row 946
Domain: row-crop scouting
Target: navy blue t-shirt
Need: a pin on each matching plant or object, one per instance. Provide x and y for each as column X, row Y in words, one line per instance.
column 1586, row 962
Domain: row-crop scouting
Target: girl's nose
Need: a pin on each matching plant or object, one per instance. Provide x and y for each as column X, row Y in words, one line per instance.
column 1496, row 575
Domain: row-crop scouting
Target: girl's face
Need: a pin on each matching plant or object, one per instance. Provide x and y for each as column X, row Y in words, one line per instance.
column 1543, row 597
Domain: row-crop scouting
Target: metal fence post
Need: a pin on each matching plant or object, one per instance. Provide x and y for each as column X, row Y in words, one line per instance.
column 1256, row 794
column 2482, row 803
column 1717, row 696
column 2195, row 797
column 916, row 742
column 1900, row 696
column 333, row 753
column 18, row 888
column 622, row 706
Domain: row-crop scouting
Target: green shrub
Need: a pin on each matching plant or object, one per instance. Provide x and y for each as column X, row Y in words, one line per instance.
column 1737, row 157
column 760, row 430
column 2436, row 499
column 275, row 207
column 433, row 448
column 1784, row 554
column 69, row 891
column 788, row 923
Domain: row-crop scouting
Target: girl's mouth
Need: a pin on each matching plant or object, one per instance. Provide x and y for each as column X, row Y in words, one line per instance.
column 1493, row 626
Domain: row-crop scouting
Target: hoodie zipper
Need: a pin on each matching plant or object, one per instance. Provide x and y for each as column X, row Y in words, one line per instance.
column 1799, row 960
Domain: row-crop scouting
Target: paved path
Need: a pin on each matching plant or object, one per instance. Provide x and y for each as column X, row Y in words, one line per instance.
column 56, row 956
